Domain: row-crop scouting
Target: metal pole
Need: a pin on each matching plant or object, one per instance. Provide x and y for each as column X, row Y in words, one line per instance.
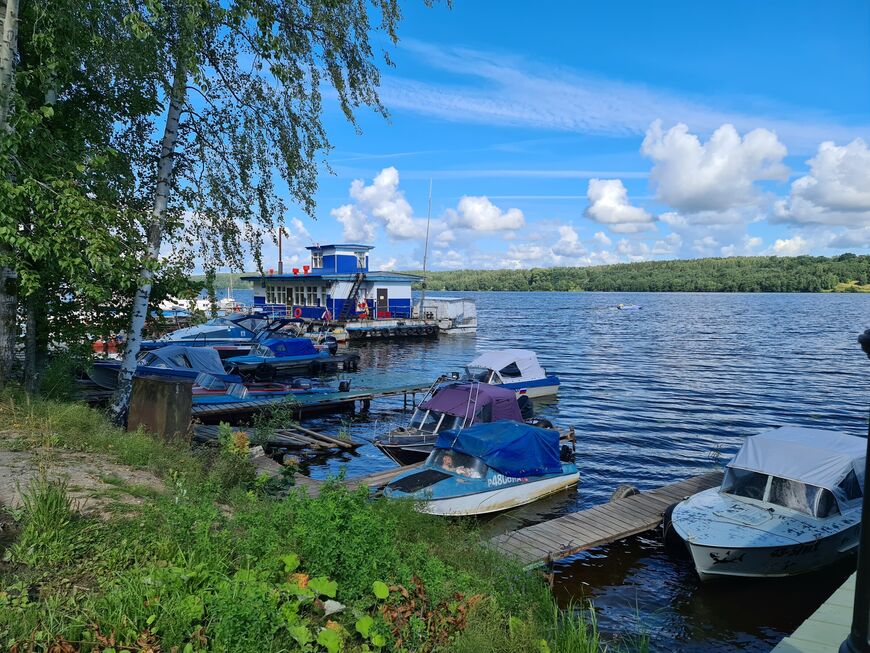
column 280, row 255
column 859, row 637
column 426, row 253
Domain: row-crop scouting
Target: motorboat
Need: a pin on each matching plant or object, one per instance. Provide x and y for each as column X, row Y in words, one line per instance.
column 234, row 331
column 790, row 503
column 628, row 307
column 281, row 356
column 171, row 362
column 448, row 406
column 517, row 369
column 487, row 468
column 211, row 390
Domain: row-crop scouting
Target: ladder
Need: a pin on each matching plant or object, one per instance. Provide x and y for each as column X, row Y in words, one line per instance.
column 347, row 310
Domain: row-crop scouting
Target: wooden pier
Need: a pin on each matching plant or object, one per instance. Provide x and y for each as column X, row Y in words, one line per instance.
column 305, row 404
column 290, row 437
column 569, row 534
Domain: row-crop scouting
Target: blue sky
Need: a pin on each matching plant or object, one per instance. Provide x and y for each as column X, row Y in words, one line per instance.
column 582, row 133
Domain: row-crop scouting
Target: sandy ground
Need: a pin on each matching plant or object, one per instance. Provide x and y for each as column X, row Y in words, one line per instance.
column 96, row 485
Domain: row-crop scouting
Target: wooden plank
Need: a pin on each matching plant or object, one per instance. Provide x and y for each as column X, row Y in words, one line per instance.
column 599, row 525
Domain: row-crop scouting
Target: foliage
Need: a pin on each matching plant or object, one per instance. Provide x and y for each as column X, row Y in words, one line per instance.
column 337, row 572
column 735, row 274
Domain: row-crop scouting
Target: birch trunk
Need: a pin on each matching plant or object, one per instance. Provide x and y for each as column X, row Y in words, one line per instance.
column 8, row 299
column 31, row 346
column 121, row 400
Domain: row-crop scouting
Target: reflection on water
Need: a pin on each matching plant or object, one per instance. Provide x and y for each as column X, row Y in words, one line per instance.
column 656, row 395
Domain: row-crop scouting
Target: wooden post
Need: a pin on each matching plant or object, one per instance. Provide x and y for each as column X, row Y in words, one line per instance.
column 161, row 406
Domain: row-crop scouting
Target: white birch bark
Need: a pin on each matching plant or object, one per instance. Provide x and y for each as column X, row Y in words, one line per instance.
column 121, row 400
column 8, row 299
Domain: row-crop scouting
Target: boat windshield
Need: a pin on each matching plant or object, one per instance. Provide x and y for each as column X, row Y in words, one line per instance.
column 457, row 463
column 425, row 420
column 481, row 374
column 150, row 360
column 794, row 495
column 262, row 350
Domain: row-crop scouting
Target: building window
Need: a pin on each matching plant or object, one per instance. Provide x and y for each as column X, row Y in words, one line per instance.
column 316, row 259
column 270, row 294
column 280, row 295
column 360, row 259
column 311, row 299
column 299, row 296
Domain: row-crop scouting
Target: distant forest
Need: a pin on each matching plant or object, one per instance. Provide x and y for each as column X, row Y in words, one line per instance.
column 843, row 273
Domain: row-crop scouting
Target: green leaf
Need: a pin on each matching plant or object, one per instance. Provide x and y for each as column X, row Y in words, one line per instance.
column 543, row 647
column 364, row 625
column 291, row 560
column 379, row 640
column 380, row 589
column 323, row 586
column 47, row 111
column 330, row 639
column 301, row 634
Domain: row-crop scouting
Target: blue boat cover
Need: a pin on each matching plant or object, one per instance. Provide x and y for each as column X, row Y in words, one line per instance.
column 291, row 347
column 512, row 448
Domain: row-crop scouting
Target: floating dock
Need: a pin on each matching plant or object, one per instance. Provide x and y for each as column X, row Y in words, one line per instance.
column 827, row 627
column 306, row 404
column 564, row 536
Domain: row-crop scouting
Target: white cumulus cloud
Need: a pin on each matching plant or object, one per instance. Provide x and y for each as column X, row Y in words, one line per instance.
column 789, row 246
column 835, row 192
column 609, row 206
column 480, row 214
column 692, row 176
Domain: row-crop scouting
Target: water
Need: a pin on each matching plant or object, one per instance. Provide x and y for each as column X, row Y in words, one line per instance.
column 658, row 395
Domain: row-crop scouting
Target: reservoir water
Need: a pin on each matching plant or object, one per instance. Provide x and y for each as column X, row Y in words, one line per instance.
column 656, row 395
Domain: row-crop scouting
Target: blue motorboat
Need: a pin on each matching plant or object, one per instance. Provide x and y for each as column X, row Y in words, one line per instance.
column 486, row 468
column 237, row 330
column 279, row 356
column 171, row 362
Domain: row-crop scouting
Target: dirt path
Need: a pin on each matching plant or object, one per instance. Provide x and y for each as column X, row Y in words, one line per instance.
column 97, row 485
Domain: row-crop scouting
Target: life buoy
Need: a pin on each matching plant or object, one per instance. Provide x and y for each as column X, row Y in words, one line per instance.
column 297, row 312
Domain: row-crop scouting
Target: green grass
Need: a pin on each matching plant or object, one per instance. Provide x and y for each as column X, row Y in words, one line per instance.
column 217, row 566
column 850, row 286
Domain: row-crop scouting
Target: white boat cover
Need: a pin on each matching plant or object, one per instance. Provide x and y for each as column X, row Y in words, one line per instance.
column 810, row 456
column 526, row 362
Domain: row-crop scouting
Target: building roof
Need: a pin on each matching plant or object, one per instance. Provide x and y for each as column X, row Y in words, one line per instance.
column 370, row 276
column 342, row 246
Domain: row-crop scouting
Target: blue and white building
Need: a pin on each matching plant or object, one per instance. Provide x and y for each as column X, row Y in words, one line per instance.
column 337, row 285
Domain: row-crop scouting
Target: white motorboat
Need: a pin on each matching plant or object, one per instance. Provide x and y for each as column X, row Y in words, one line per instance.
column 516, row 369
column 790, row 503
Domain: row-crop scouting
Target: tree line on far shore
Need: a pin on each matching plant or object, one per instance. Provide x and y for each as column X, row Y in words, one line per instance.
column 845, row 272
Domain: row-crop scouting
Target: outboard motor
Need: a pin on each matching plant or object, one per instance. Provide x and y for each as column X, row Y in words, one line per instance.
column 566, row 454
column 344, row 386
column 331, row 345
column 527, row 408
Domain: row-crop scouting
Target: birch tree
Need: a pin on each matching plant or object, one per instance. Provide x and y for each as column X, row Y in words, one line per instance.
column 245, row 82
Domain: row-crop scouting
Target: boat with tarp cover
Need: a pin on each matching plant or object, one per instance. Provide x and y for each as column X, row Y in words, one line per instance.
column 487, row 468
column 517, row 369
column 173, row 362
column 450, row 406
column 790, row 503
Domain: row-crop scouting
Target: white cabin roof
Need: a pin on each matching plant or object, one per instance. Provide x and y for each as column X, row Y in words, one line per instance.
column 525, row 359
column 812, row 456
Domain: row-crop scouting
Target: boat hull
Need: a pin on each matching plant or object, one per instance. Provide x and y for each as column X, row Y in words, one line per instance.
column 496, row 500
column 712, row 562
column 105, row 374
column 546, row 387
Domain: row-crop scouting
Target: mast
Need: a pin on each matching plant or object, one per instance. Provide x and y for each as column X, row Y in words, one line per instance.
column 426, row 252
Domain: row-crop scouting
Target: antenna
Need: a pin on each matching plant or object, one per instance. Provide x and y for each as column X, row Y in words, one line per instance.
column 426, row 252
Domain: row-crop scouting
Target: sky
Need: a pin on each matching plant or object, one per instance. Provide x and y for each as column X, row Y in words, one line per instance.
column 586, row 133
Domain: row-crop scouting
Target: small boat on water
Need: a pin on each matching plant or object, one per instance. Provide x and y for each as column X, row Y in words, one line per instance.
column 487, row 468
column 281, row 356
column 236, row 330
column 211, row 390
column 790, row 503
column 456, row 405
column 516, row 369
column 170, row 362
column 628, row 307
